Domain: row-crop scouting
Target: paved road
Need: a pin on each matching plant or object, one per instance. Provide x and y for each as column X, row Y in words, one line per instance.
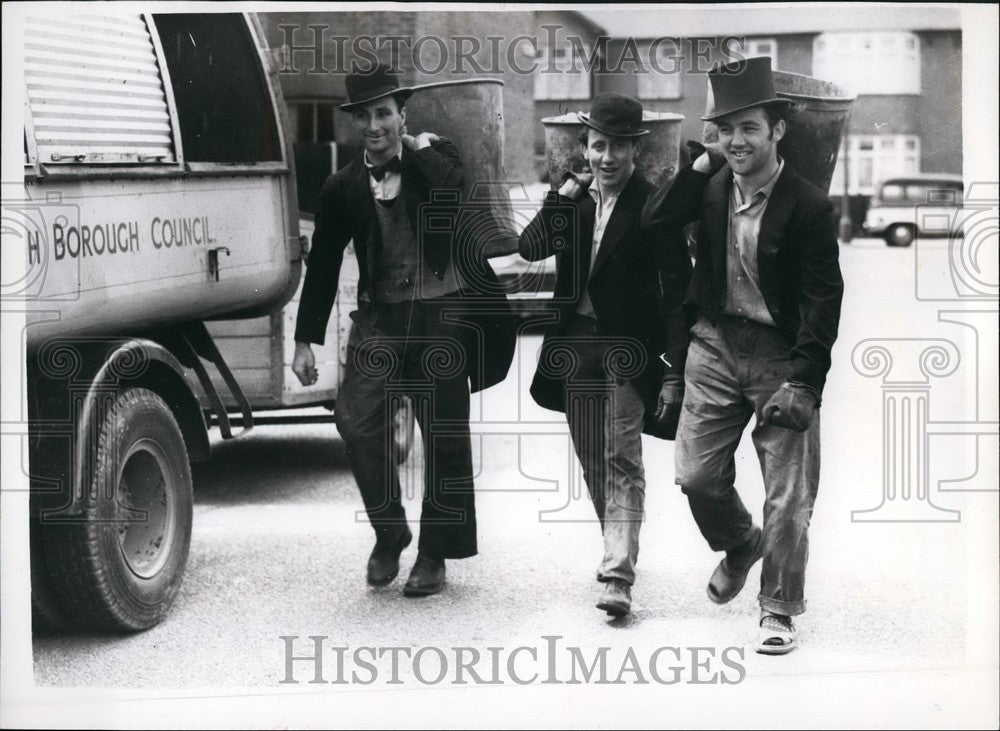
column 901, row 617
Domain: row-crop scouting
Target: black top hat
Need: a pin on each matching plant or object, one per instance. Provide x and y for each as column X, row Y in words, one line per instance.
column 616, row 115
column 740, row 85
column 367, row 86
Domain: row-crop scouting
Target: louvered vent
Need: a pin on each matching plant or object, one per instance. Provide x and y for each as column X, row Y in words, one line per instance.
column 95, row 90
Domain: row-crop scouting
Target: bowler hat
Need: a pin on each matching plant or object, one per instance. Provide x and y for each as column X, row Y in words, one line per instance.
column 616, row 115
column 367, row 86
column 740, row 85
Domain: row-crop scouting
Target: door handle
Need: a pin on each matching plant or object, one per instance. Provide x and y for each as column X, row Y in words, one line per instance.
column 213, row 261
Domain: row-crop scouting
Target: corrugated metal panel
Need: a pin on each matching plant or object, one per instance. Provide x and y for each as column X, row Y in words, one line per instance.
column 95, row 90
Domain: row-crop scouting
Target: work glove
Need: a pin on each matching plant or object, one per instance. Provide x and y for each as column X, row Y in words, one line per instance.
column 668, row 403
column 790, row 407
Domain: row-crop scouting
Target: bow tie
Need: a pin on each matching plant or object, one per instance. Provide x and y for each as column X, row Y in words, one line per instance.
column 378, row 171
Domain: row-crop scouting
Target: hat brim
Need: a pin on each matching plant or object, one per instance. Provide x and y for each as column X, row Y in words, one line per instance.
column 403, row 91
column 719, row 114
column 613, row 133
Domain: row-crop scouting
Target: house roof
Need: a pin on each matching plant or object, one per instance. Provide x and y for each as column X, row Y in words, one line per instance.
column 769, row 19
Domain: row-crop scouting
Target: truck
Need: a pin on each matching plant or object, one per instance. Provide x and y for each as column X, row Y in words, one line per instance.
column 162, row 244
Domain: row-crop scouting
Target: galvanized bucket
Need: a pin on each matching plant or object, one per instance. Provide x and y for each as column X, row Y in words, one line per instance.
column 469, row 113
column 815, row 128
column 657, row 160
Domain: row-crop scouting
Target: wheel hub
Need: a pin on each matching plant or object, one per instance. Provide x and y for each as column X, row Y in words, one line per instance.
column 146, row 509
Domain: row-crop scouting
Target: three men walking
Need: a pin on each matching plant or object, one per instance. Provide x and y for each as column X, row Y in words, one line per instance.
column 760, row 308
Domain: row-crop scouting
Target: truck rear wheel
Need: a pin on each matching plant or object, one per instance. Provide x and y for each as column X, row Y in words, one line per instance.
column 47, row 614
column 120, row 565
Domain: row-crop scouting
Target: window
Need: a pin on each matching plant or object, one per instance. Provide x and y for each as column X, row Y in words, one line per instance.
column 222, row 99
column 661, row 80
column 756, row 47
column 848, row 59
column 313, row 121
column 94, row 91
column 570, row 81
column 874, row 158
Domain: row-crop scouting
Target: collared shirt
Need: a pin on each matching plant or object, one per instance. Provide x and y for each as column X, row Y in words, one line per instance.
column 744, row 297
column 388, row 187
column 605, row 205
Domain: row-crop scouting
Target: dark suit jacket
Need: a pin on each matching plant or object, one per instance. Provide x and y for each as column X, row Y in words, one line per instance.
column 637, row 286
column 797, row 259
column 346, row 212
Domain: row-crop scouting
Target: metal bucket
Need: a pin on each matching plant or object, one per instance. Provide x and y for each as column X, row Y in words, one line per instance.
column 470, row 114
column 815, row 128
column 657, row 160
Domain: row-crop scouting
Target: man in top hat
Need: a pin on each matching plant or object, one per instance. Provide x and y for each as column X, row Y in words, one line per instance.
column 400, row 342
column 614, row 360
column 766, row 294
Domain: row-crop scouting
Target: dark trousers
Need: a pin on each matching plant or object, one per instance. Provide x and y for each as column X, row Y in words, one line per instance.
column 733, row 368
column 406, row 349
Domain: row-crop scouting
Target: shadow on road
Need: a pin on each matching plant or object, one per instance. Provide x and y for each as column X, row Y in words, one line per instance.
column 272, row 464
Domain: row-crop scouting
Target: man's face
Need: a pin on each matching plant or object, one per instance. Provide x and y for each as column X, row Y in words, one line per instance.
column 611, row 159
column 749, row 141
column 379, row 124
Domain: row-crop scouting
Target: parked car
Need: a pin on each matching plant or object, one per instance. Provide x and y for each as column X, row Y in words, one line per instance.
column 911, row 206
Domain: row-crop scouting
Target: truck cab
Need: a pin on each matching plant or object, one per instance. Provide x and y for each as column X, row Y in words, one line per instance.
column 158, row 193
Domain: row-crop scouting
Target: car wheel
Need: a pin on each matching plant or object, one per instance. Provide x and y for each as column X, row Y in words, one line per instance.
column 119, row 565
column 900, row 234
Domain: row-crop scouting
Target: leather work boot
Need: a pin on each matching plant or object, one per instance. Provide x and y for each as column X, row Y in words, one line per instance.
column 383, row 564
column 617, row 599
column 731, row 573
column 426, row 576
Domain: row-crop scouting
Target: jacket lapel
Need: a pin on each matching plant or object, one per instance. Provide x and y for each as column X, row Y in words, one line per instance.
column 776, row 215
column 410, row 189
column 715, row 221
column 624, row 214
column 363, row 206
column 585, row 241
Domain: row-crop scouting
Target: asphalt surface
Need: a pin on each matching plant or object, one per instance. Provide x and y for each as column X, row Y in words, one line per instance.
column 900, row 625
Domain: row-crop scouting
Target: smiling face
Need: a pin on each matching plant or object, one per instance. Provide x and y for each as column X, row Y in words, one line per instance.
column 749, row 142
column 379, row 124
column 611, row 159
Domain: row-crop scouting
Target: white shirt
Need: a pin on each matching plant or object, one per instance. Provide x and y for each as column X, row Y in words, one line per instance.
column 388, row 187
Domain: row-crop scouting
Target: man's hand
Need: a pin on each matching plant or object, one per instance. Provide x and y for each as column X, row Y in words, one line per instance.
column 574, row 184
column 668, row 403
column 304, row 364
column 708, row 156
column 791, row 407
column 422, row 140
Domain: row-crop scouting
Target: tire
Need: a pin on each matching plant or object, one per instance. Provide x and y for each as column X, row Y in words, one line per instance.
column 120, row 565
column 402, row 430
column 47, row 614
column 900, row 234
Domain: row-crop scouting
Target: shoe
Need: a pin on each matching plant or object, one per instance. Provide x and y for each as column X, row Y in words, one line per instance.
column 731, row 574
column 777, row 635
column 383, row 564
column 617, row 599
column 426, row 576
